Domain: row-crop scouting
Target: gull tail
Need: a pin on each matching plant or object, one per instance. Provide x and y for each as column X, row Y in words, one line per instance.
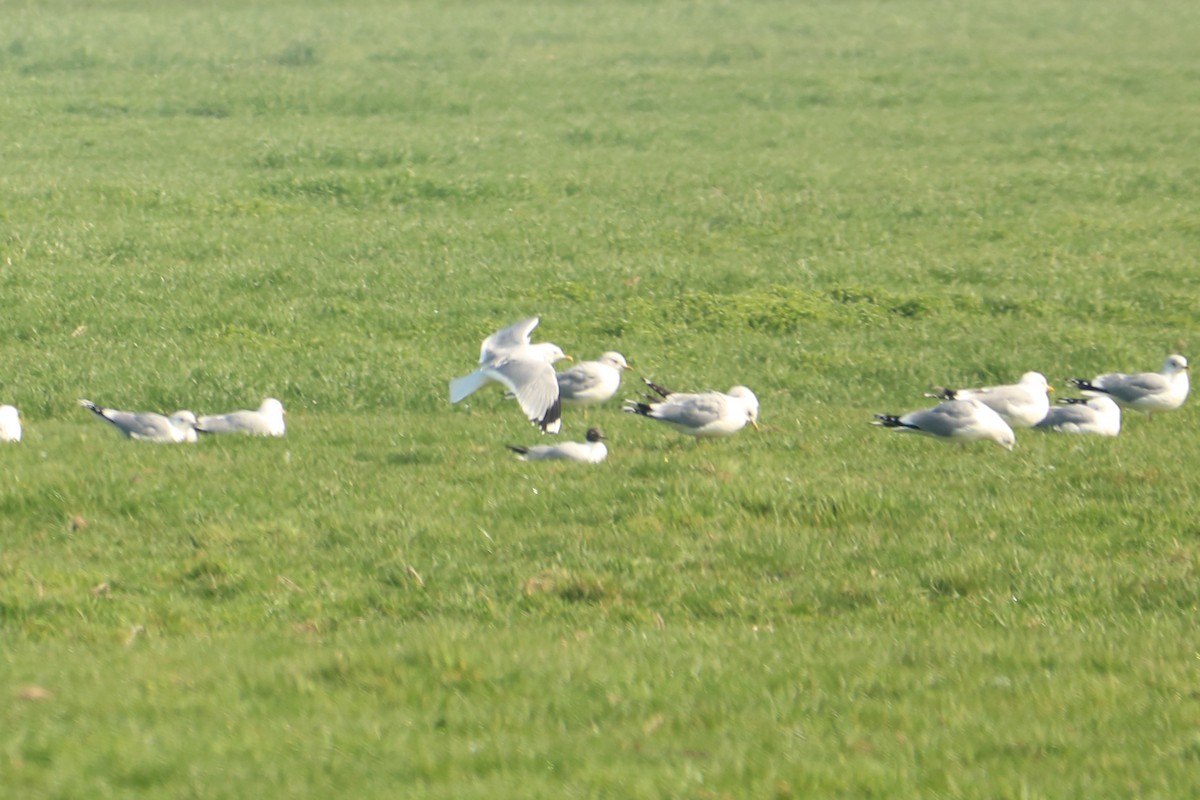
column 634, row 407
column 463, row 387
column 661, row 391
column 891, row 421
column 1085, row 385
column 90, row 406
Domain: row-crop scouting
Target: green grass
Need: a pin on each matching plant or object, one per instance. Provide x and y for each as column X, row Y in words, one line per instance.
column 837, row 204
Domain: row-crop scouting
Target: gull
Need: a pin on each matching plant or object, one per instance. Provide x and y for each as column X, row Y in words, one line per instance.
column 1022, row 404
column 1148, row 392
column 592, row 451
column 266, row 421
column 592, row 382
column 147, row 426
column 1096, row 415
column 704, row 415
column 953, row 420
column 10, row 424
column 506, row 357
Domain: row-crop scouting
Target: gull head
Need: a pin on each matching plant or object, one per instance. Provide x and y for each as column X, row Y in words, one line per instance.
column 271, row 408
column 614, row 360
column 749, row 401
column 1174, row 364
column 595, row 435
column 545, row 351
column 1036, row 381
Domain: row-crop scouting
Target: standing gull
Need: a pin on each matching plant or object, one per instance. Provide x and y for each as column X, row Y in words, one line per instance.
column 10, row 424
column 1022, row 404
column 704, row 415
column 953, row 420
column 147, row 426
column 1148, row 392
column 507, row 357
column 1095, row 415
column 592, row 382
column 592, row 451
column 266, row 421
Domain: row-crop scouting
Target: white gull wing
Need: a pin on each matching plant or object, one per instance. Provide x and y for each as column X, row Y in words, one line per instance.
column 504, row 341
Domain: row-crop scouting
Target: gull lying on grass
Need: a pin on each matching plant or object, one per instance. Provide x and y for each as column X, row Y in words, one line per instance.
column 1023, row 404
column 266, row 421
column 955, row 421
column 704, row 416
column 506, row 357
column 147, row 426
column 592, row 451
column 592, row 382
column 1148, row 392
column 1095, row 415
column 10, row 424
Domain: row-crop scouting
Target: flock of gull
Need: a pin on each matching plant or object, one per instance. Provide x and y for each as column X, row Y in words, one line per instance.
column 526, row 370
column 180, row 427
column 988, row 413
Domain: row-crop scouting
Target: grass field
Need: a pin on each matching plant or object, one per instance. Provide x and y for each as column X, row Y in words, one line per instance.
column 836, row 204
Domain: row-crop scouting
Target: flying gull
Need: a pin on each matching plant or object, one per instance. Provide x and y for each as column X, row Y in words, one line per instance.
column 507, row 357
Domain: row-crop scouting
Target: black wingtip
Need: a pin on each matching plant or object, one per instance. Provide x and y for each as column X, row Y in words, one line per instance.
column 942, row 393
column 517, row 449
column 634, row 407
column 661, row 391
column 1084, row 385
column 553, row 415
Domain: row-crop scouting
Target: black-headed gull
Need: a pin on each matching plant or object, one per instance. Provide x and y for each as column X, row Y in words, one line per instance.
column 591, row 451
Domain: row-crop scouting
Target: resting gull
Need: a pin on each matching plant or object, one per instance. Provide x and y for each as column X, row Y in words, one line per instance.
column 704, row 415
column 1164, row 390
column 1022, row 404
column 1095, row 415
column 148, row 426
column 953, row 420
column 592, row 451
column 266, row 421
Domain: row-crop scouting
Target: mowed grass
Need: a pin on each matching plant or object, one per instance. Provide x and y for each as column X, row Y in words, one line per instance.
column 837, row 204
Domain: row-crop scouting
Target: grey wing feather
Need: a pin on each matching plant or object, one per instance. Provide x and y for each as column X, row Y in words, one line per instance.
column 139, row 426
column 942, row 420
column 577, row 380
column 235, row 422
column 1131, row 387
column 691, row 410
